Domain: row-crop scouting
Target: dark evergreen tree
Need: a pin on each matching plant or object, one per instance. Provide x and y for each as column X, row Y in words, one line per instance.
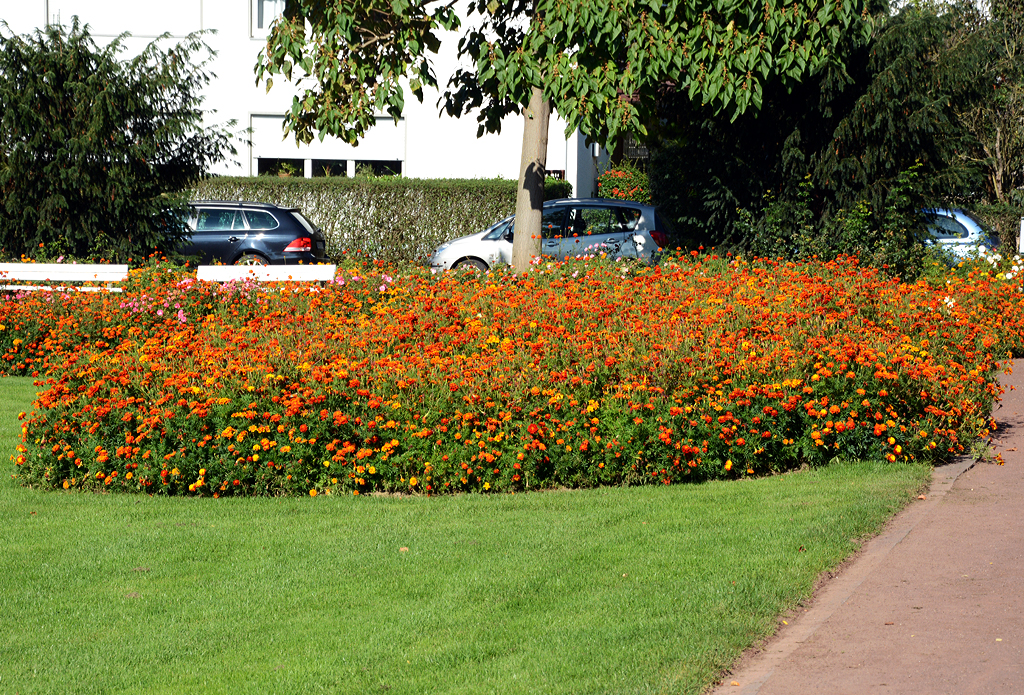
column 842, row 162
column 96, row 151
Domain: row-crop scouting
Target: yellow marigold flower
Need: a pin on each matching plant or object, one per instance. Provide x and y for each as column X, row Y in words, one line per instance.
column 312, row 493
column 413, row 481
column 371, row 470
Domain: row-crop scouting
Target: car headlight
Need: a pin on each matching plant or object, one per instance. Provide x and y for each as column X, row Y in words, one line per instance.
column 441, row 248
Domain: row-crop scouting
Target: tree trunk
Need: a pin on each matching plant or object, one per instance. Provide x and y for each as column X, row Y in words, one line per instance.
column 532, row 170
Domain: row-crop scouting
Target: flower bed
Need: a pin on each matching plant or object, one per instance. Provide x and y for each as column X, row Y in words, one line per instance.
column 580, row 374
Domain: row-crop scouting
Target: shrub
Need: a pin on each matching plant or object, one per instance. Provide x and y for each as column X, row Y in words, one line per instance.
column 1005, row 219
column 624, row 181
column 388, row 218
column 890, row 239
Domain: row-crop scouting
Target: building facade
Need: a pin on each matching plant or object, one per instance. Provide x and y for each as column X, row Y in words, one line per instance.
column 423, row 144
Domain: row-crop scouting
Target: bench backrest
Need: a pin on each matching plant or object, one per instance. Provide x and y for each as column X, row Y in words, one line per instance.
column 62, row 272
column 266, row 273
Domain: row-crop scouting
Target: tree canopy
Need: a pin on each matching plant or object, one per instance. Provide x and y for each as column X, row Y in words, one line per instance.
column 95, row 151
column 603, row 65
column 927, row 112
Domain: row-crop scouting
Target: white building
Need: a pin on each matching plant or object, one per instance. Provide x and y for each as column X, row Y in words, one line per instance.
column 424, row 144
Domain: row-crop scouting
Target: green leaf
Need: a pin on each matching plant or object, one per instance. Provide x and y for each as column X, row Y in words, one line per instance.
column 714, row 84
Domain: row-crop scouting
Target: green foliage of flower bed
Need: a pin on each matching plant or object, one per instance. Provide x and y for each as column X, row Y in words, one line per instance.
column 387, row 218
column 583, row 374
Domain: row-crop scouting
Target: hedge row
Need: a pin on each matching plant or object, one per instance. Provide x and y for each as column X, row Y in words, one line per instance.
column 392, row 219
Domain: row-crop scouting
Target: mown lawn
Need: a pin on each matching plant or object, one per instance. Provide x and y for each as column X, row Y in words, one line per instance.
column 616, row 590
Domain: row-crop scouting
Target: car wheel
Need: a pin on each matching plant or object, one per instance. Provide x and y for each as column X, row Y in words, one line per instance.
column 252, row 259
column 471, row 263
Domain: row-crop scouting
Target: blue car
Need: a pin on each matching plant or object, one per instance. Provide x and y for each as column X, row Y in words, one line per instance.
column 244, row 233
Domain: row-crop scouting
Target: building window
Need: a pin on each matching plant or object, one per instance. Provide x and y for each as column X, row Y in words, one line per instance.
column 330, row 167
column 266, row 166
column 264, row 12
column 377, row 167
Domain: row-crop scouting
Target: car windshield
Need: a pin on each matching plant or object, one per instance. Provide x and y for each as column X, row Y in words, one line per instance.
column 498, row 230
column 947, row 228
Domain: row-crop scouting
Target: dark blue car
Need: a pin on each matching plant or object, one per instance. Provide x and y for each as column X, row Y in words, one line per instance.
column 244, row 233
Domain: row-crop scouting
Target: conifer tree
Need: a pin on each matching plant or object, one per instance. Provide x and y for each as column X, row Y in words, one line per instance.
column 96, row 151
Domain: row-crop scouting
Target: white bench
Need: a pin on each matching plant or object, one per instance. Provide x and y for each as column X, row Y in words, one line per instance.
column 37, row 273
column 266, row 273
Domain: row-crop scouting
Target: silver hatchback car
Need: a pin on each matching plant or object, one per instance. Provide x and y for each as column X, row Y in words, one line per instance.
column 570, row 227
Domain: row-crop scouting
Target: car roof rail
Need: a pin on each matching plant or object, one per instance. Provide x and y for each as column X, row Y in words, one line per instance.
column 244, row 204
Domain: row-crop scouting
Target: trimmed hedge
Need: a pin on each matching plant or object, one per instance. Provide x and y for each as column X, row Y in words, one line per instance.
column 391, row 219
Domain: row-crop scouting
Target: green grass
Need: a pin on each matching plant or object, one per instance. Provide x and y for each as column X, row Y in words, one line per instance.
column 640, row 590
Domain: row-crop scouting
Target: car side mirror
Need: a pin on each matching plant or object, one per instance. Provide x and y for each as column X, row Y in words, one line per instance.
column 509, row 234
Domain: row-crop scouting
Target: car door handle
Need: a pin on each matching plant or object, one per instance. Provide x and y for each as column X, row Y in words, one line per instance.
column 233, row 239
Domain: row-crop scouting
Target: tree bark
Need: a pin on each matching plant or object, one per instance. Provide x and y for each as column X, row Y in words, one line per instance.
column 532, row 170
